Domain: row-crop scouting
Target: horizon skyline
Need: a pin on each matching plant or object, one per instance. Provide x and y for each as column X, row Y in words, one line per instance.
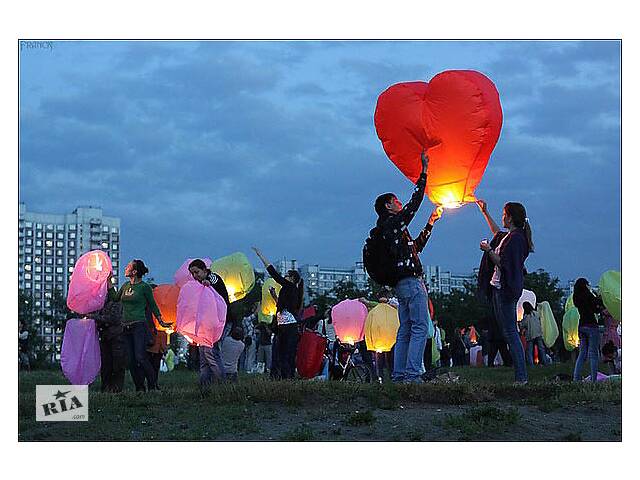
column 210, row 147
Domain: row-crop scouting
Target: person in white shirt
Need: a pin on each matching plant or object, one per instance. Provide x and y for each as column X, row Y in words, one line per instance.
column 232, row 347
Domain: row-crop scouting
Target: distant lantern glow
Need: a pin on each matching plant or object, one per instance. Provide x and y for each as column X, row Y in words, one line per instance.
column 166, row 296
column 381, row 328
column 268, row 304
column 348, row 319
column 237, row 274
column 89, row 282
column 456, row 117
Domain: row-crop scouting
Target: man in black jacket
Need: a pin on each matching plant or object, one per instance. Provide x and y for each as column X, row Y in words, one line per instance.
column 413, row 311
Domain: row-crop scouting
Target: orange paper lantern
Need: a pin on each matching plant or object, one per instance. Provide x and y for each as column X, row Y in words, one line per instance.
column 456, row 118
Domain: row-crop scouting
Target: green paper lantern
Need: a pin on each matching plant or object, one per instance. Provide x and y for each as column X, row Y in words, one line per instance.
column 237, row 273
column 548, row 322
column 610, row 286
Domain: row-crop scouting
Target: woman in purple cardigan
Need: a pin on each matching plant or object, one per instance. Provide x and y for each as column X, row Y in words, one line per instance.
column 507, row 274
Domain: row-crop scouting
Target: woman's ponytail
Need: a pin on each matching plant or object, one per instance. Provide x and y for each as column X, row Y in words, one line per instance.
column 519, row 218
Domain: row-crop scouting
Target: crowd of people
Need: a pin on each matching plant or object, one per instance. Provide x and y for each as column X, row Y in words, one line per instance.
column 128, row 337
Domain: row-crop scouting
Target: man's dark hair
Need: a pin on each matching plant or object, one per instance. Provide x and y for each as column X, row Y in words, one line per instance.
column 381, row 203
column 198, row 264
column 237, row 333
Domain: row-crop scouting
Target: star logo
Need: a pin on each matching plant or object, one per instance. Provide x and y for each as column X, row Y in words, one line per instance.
column 60, row 394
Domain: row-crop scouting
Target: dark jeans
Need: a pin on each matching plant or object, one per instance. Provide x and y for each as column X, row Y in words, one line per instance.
column 211, row 364
column 542, row 353
column 137, row 337
column 284, row 355
column 504, row 310
column 428, row 354
column 499, row 346
column 113, row 358
column 155, row 359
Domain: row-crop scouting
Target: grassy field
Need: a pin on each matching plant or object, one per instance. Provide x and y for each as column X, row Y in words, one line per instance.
column 483, row 406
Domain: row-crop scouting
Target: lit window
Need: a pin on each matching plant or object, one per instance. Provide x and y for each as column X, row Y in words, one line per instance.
column 58, row 261
column 48, row 251
column 60, row 236
column 50, row 227
column 59, row 270
column 72, row 227
column 38, row 243
column 38, row 286
column 58, row 278
column 49, row 235
column 59, row 244
column 29, row 241
column 27, row 285
column 28, row 250
column 39, row 226
column 72, row 234
column 38, row 269
column 105, row 245
column 48, row 270
column 38, row 234
column 29, row 233
column 70, row 269
column 114, row 246
column 27, row 268
column 38, row 260
column 29, row 259
column 49, row 261
column 29, row 224
column 59, row 253
column 48, row 295
column 114, row 230
column 105, row 229
column 27, row 276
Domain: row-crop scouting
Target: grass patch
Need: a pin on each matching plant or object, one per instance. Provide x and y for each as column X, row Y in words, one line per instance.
column 302, row 433
column 480, row 420
column 247, row 409
column 360, row 419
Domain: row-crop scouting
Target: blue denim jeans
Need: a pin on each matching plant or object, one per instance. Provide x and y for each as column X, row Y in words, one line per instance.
column 504, row 310
column 415, row 328
column 589, row 346
column 542, row 353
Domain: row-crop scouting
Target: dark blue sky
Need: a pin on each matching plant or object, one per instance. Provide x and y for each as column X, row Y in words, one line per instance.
column 205, row 148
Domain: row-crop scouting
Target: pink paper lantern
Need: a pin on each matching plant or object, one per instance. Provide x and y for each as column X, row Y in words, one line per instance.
column 80, row 355
column 183, row 275
column 89, row 282
column 349, row 317
column 201, row 314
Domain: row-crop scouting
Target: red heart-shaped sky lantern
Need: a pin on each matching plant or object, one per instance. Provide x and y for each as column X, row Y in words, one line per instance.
column 456, row 118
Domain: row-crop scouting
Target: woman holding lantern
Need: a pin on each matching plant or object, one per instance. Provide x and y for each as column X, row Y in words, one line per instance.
column 505, row 274
column 136, row 296
column 288, row 308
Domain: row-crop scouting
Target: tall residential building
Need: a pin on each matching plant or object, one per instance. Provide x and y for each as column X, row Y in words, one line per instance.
column 320, row 280
column 440, row 281
column 48, row 247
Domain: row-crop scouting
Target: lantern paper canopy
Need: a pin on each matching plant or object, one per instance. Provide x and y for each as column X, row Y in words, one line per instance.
column 268, row 304
column 527, row 296
column 381, row 328
column 89, row 282
column 166, row 297
column 237, row 274
column 610, row 286
column 456, row 117
column 548, row 322
column 348, row 318
column 570, row 322
column 183, row 275
column 80, row 353
column 201, row 314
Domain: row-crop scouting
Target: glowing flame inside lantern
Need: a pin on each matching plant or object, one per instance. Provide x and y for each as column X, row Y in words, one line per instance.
column 450, row 201
column 232, row 294
column 348, row 340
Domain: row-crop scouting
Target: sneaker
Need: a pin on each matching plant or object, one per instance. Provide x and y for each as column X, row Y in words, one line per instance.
column 520, row 383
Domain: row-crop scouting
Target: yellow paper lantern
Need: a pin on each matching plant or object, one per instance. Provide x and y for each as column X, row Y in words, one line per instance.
column 570, row 323
column 268, row 304
column 381, row 328
column 237, row 273
column 610, row 286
